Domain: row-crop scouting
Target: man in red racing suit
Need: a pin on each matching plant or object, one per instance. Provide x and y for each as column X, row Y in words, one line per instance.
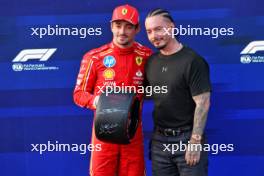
column 119, row 63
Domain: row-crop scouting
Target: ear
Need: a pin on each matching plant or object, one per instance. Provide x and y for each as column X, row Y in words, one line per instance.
column 172, row 25
column 111, row 26
column 138, row 28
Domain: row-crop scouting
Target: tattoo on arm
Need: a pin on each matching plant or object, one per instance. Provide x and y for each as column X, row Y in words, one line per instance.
column 202, row 102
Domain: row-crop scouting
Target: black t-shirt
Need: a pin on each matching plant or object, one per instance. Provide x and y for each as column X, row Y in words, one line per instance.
column 186, row 74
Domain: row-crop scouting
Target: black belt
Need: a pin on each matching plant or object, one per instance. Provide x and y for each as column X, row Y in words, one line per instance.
column 172, row 131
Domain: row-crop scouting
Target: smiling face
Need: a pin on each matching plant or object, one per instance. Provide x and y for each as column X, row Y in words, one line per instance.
column 157, row 35
column 123, row 33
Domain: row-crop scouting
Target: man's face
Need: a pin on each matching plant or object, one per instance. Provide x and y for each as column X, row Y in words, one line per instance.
column 123, row 33
column 155, row 30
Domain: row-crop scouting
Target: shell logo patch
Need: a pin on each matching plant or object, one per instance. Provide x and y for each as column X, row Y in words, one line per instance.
column 139, row 60
column 109, row 74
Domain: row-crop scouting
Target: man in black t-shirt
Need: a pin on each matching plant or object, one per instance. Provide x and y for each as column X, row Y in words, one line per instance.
column 180, row 114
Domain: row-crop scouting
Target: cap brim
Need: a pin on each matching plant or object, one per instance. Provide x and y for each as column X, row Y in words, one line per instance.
column 123, row 20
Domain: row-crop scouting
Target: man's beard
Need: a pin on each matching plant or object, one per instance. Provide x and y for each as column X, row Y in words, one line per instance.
column 123, row 43
column 161, row 47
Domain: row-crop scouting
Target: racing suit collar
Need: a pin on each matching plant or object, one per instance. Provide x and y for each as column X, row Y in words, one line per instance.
column 123, row 51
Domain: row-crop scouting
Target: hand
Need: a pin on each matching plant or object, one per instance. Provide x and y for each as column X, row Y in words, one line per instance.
column 192, row 155
column 95, row 102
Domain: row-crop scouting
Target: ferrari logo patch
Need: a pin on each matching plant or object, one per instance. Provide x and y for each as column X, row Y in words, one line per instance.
column 124, row 11
column 139, row 60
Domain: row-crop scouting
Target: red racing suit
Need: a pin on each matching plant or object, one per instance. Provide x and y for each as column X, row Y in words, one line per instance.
column 107, row 66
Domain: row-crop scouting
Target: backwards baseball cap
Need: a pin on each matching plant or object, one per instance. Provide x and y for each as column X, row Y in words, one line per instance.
column 127, row 13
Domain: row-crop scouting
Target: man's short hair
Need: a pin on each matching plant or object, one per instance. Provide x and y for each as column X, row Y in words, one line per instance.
column 161, row 12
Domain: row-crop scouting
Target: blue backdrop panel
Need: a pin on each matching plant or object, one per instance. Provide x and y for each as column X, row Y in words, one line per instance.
column 36, row 106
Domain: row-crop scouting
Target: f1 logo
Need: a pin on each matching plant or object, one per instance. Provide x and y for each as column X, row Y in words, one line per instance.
column 253, row 47
column 39, row 54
